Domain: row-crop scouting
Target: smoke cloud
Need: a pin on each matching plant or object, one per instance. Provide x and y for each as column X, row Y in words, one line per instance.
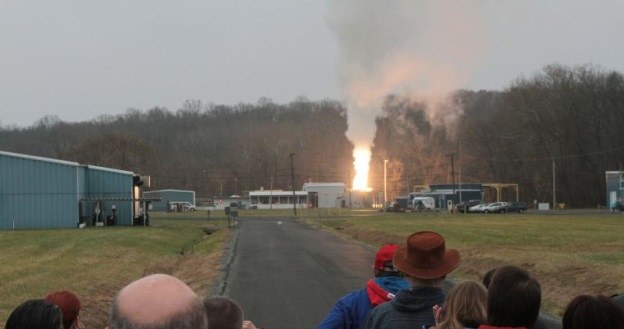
column 417, row 49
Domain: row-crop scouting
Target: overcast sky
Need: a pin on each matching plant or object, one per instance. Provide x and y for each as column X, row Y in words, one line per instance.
column 79, row 59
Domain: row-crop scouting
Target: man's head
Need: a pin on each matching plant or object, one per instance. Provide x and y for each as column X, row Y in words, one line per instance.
column 425, row 260
column 157, row 301
column 69, row 304
column 383, row 261
column 223, row 313
column 514, row 298
column 35, row 314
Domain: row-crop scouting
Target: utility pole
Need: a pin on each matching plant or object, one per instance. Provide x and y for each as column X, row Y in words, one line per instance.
column 292, row 172
column 350, row 187
column 554, row 185
column 385, row 186
column 271, row 195
column 452, row 155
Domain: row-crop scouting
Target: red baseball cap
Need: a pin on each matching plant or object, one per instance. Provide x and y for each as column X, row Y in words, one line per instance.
column 384, row 255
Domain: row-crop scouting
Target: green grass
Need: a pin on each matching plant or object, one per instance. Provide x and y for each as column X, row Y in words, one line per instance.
column 96, row 262
column 569, row 254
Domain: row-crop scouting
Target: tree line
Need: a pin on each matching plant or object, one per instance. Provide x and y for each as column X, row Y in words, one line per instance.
column 563, row 126
column 215, row 150
column 564, row 123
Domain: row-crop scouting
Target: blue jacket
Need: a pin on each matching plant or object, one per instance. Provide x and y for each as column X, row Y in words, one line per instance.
column 351, row 311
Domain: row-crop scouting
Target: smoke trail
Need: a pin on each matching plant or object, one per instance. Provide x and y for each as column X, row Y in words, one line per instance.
column 420, row 49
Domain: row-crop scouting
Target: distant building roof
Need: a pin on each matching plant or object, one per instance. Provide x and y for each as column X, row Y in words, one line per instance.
column 276, row 193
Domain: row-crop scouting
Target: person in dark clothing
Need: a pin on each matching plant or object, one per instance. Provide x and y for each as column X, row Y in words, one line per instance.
column 487, row 278
column 425, row 262
column 223, row 313
column 514, row 299
column 35, row 314
column 351, row 311
column 588, row 312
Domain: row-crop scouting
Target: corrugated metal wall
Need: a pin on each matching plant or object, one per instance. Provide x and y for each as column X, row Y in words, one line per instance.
column 107, row 183
column 36, row 193
column 169, row 196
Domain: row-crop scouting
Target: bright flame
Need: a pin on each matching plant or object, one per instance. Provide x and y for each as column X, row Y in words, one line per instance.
column 362, row 160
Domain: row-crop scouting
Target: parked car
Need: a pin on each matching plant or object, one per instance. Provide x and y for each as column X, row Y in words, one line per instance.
column 181, row 206
column 500, row 207
column 516, row 207
column 477, row 208
column 464, row 206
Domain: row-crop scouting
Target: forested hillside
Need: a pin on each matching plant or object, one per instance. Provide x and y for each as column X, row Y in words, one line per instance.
column 214, row 150
column 570, row 117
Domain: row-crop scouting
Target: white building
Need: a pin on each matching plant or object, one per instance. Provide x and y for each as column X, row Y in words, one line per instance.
column 277, row 199
column 327, row 195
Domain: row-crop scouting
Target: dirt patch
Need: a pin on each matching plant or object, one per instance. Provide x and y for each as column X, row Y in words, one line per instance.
column 96, row 305
column 197, row 270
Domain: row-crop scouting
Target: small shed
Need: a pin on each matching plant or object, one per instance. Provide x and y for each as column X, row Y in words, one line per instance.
column 168, row 196
column 326, row 195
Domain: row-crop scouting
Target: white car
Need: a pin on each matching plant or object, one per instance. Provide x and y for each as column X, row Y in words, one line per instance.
column 495, row 207
column 477, row 208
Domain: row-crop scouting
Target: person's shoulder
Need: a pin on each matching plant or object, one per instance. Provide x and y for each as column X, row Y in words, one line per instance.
column 354, row 296
column 383, row 307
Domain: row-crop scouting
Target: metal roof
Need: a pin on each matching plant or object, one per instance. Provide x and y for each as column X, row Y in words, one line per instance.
column 118, row 171
column 276, row 193
column 37, row 158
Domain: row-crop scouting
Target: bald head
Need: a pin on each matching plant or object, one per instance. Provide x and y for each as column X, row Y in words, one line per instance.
column 157, row 301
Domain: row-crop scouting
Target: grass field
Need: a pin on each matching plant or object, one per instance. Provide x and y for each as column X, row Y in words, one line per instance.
column 96, row 262
column 570, row 254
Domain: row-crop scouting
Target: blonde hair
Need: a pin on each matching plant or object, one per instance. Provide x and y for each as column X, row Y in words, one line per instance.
column 465, row 305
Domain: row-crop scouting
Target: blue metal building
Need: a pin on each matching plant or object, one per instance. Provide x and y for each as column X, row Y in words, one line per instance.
column 37, row 192
column 167, row 196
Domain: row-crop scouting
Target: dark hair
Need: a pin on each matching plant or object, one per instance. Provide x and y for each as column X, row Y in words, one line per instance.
column 487, row 278
column 514, row 298
column 223, row 313
column 35, row 314
column 618, row 299
column 192, row 318
column 588, row 312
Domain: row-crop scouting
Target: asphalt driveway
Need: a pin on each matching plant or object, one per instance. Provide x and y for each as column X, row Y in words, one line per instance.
column 286, row 274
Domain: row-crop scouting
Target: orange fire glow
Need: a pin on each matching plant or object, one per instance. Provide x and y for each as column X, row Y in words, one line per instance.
column 361, row 164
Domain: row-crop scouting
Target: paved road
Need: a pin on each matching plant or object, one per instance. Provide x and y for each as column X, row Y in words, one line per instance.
column 288, row 275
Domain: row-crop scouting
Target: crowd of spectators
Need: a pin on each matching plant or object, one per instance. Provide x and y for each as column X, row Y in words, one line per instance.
column 156, row 301
column 405, row 292
column 508, row 298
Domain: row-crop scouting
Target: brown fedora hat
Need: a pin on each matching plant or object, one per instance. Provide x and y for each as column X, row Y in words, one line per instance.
column 425, row 256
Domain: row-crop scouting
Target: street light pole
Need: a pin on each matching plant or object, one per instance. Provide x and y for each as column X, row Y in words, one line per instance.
column 292, row 172
column 385, row 185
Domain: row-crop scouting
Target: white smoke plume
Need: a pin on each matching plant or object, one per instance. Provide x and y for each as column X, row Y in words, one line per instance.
column 414, row 48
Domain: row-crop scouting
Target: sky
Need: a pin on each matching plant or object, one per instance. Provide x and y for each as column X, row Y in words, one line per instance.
column 81, row 59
